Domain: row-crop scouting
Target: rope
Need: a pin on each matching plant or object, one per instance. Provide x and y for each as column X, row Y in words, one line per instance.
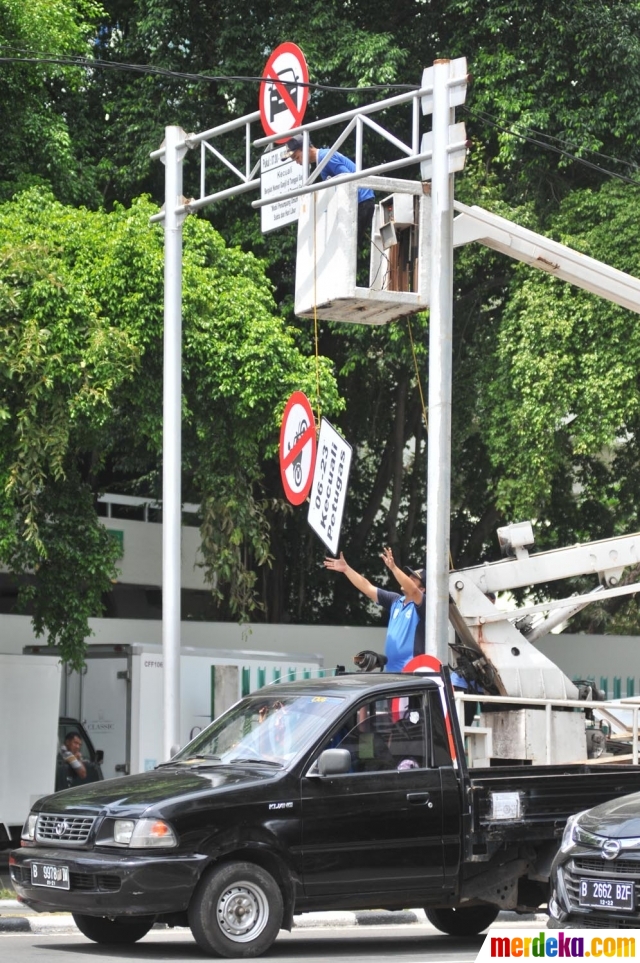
column 315, row 312
column 415, row 364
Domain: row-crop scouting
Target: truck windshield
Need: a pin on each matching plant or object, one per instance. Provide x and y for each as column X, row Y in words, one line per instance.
column 269, row 729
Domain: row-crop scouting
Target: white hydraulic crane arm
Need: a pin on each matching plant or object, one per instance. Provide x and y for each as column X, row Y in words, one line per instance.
column 521, row 670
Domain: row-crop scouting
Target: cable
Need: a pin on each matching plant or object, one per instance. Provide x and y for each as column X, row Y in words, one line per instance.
column 164, row 72
column 383, row 254
column 538, row 143
column 616, row 160
column 91, row 64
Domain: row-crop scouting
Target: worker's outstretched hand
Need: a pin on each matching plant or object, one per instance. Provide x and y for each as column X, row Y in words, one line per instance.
column 387, row 557
column 336, row 564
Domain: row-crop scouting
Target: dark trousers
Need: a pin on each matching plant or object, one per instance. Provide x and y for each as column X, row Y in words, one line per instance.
column 365, row 216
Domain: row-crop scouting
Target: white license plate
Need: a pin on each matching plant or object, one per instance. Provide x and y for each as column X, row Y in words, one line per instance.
column 50, row 874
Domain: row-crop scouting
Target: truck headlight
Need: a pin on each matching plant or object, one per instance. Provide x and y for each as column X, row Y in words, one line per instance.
column 123, row 831
column 29, row 828
column 143, row 834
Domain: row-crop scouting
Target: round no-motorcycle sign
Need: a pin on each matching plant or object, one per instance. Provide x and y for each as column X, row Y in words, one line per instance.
column 297, row 448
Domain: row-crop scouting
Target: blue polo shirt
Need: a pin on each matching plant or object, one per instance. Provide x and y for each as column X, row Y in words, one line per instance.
column 405, row 633
column 339, row 164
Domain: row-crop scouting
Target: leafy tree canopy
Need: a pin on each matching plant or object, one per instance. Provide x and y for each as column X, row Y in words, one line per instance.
column 39, row 101
column 80, row 373
column 545, row 394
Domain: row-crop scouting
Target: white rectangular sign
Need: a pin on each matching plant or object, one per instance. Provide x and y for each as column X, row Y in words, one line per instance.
column 329, row 488
column 278, row 176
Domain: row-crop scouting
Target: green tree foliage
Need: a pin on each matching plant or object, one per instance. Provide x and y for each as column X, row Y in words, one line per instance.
column 565, row 396
column 80, row 369
column 545, row 397
column 42, row 103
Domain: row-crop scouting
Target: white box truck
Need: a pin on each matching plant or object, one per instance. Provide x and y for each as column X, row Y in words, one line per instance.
column 29, row 703
column 119, row 695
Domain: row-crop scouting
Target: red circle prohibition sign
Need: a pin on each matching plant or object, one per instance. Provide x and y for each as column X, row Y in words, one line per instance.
column 283, row 101
column 297, row 448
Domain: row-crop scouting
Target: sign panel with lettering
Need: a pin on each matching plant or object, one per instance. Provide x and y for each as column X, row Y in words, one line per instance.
column 329, row 486
column 278, row 174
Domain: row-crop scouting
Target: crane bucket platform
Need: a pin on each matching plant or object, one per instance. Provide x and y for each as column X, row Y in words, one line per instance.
column 327, row 256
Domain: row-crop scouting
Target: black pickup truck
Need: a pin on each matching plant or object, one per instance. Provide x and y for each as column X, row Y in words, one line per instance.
column 349, row 792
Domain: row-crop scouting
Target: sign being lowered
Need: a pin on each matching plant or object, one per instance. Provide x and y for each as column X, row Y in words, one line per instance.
column 329, row 486
column 297, row 447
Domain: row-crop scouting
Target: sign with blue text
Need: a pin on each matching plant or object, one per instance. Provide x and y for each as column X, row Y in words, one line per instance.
column 329, row 486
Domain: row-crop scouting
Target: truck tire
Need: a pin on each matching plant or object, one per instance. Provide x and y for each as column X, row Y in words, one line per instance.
column 236, row 911
column 462, row 921
column 122, row 929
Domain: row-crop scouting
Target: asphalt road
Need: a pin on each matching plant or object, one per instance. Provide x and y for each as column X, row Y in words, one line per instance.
column 412, row 943
column 415, row 943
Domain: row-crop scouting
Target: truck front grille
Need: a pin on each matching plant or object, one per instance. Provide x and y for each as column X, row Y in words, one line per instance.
column 89, row 882
column 55, row 829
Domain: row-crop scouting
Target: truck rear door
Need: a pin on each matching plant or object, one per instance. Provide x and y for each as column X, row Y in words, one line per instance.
column 378, row 827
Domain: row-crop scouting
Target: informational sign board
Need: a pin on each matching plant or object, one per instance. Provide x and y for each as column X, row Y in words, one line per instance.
column 297, row 448
column 278, row 175
column 283, row 99
column 329, row 487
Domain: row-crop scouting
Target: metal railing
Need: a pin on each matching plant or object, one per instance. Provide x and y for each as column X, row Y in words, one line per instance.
column 549, row 705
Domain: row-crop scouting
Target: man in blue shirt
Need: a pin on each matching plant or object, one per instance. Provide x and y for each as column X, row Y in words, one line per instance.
column 405, row 632
column 337, row 164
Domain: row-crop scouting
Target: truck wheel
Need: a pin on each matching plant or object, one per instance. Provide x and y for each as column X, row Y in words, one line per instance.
column 122, row 929
column 462, row 921
column 237, row 911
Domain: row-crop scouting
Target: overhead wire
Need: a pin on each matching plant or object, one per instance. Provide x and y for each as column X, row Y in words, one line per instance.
column 89, row 63
column 558, row 140
column 31, row 57
column 486, row 118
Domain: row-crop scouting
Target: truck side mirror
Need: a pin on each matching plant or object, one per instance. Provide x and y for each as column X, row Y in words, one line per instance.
column 334, row 762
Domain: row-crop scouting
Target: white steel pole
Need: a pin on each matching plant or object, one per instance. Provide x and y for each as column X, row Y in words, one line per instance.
column 171, row 436
column 440, row 374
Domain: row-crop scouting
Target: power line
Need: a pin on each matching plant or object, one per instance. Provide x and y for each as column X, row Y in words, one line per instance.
column 28, row 57
column 86, row 63
column 486, row 118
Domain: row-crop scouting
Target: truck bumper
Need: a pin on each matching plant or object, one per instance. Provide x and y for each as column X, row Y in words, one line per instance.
column 109, row 884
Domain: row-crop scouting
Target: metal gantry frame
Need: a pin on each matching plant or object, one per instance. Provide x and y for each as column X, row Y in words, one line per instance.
column 440, row 152
column 434, row 95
